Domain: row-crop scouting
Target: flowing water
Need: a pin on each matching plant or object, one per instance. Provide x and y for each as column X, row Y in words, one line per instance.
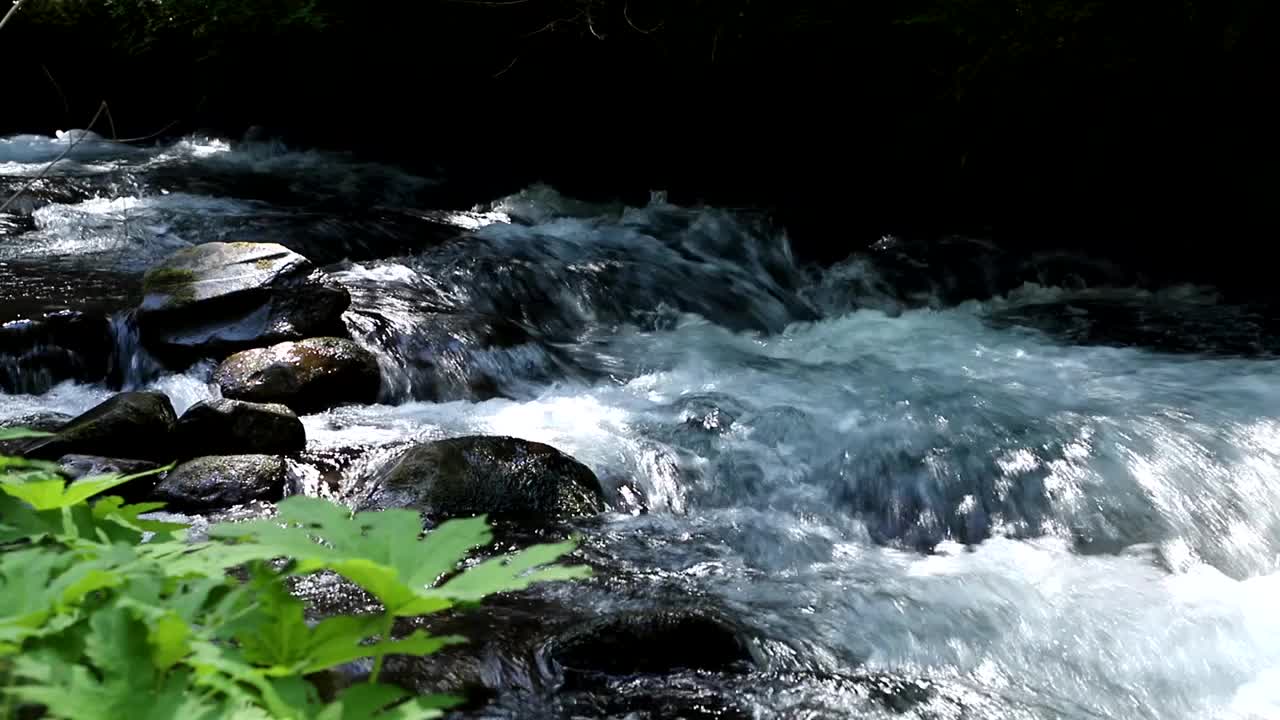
column 1062, row 500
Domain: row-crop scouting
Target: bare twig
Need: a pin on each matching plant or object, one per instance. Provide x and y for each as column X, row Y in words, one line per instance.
column 591, row 24
column 510, row 65
column 555, row 22
column 626, row 13
column 155, row 134
column 12, row 11
column 45, row 171
column 66, row 106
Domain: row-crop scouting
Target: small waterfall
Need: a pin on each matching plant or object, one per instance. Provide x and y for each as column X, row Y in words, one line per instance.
column 131, row 365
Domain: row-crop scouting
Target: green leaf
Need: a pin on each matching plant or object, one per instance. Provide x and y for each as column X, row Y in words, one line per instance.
column 170, row 640
column 369, row 700
column 383, row 553
column 54, row 493
column 21, row 434
column 512, row 573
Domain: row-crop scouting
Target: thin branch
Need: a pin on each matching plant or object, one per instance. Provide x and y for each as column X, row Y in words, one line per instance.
column 590, row 24
column 155, row 134
column 47, row 168
column 504, row 70
column 66, row 106
column 555, row 22
column 12, row 11
column 626, row 13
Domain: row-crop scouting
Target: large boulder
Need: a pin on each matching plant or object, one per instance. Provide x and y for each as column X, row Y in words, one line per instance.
column 214, row 299
column 506, row 478
column 653, row 642
column 215, row 483
column 308, row 376
column 130, row 424
column 234, row 427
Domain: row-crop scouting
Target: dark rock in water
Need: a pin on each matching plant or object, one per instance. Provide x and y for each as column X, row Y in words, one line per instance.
column 503, row 477
column 131, row 424
column 37, row 353
column 944, row 271
column 40, row 422
column 308, row 376
column 213, row 483
column 234, row 427
column 83, row 466
column 217, row 298
column 652, row 643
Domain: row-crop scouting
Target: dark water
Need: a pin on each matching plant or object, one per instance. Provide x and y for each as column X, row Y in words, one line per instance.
column 1059, row 500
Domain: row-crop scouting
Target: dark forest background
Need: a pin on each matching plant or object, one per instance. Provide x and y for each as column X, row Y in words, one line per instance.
column 1142, row 129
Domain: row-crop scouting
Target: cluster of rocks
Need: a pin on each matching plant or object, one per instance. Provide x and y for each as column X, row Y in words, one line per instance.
column 274, row 325
column 265, row 311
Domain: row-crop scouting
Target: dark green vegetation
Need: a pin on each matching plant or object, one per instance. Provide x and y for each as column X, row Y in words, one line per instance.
column 106, row 614
column 1058, row 120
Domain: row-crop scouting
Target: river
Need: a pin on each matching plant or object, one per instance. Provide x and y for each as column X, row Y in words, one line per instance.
column 1061, row 501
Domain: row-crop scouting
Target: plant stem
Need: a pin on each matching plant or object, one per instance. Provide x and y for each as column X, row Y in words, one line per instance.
column 388, row 622
column 6, row 700
column 12, row 11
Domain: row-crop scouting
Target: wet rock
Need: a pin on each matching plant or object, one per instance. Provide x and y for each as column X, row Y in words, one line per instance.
column 41, row 422
column 943, row 271
column 213, row 483
column 131, row 424
column 506, row 478
column 308, row 376
column 83, row 466
column 214, row 299
column 38, row 352
column 652, row 643
column 234, row 427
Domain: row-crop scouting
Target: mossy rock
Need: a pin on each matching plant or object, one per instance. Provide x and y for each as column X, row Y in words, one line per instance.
column 307, row 376
column 218, row 298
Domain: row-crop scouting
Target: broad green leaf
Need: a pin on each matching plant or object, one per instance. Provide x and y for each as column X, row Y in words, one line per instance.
column 54, row 493
column 21, row 434
column 112, row 508
column 367, row 701
column 72, row 692
column 512, row 572
column 170, row 640
column 41, row 495
column 383, row 553
column 87, row 582
column 338, row 649
column 10, row 464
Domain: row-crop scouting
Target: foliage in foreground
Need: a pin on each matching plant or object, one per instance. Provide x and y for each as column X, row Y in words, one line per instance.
column 105, row 614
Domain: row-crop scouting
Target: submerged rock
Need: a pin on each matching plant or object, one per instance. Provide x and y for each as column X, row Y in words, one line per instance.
column 38, row 352
column 506, row 478
column 308, row 376
column 214, row 483
column 234, row 427
column 652, row 643
column 84, row 466
column 217, row 298
column 131, row 424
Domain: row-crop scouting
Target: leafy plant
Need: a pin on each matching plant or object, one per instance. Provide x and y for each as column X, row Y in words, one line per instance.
column 106, row 614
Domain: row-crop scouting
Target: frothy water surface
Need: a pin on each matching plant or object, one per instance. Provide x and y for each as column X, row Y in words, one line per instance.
column 1062, row 501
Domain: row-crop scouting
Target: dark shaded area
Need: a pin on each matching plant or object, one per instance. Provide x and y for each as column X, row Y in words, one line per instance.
column 1137, row 130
